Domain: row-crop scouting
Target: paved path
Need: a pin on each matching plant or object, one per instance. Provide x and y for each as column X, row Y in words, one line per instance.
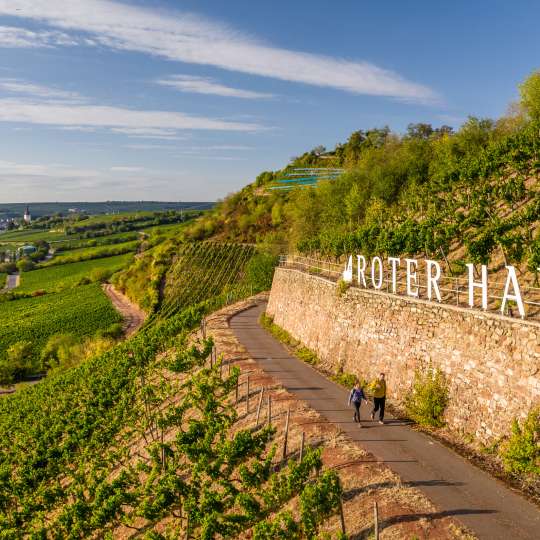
column 12, row 281
column 456, row 487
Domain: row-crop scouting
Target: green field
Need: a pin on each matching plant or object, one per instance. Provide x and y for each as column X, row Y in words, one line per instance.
column 80, row 311
column 68, row 275
column 33, row 235
column 76, row 242
column 87, row 253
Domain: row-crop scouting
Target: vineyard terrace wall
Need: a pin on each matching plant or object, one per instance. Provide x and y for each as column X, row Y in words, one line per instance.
column 492, row 363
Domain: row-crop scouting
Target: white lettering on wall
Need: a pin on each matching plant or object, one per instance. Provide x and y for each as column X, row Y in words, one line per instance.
column 378, row 269
column 361, row 261
column 432, row 280
column 394, row 264
column 478, row 284
column 412, row 264
column 377, row 283
column 511, row 279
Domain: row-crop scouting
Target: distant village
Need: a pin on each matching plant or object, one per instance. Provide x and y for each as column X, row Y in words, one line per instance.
column 9, row 224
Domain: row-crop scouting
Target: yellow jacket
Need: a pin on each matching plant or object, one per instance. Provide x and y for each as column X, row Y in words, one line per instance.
column 378, row 388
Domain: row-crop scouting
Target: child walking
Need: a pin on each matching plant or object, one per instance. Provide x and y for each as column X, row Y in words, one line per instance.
column 355, row 397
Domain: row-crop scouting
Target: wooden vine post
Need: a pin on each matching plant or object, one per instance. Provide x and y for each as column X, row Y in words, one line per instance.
column 286, row 436
column 376, row 520
column 302, row 441
column 247, row 395
column 269, row 421
column 259, row 406
column 341, row 514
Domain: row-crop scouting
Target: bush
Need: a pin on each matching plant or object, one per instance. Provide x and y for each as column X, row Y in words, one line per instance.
column 428, row 397
column 341, row 287
column 20, row 359
column 347, row 379
column 114, row 331
column 8, row 268
column 521, row 454
column 100, row 274
column 260, row 271
column 58, row 351
column 25, row 265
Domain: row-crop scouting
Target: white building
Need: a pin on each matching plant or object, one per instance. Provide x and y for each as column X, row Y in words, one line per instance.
column 27, row 217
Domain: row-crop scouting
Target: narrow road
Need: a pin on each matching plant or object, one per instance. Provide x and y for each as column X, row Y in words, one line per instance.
column 13, row 281
column 133, row 316
column 456, row 487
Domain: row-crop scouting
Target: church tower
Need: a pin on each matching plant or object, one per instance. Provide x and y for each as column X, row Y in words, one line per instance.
column 27, row 217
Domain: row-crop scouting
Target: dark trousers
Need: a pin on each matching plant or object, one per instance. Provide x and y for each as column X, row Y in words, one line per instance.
column 378, row 405
column 357, row 409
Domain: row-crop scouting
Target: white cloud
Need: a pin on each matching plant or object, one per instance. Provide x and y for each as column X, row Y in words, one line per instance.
column 149, row 133
column 17, row 86
column 206, row 85
column 123, row 120
column 124, row 168
column 14, row 37
column 183, row 37
column 54, row 170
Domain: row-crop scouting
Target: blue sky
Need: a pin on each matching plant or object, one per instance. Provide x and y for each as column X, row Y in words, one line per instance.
column 190, row 100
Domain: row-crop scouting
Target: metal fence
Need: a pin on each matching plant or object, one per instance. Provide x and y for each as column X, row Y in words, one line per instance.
column 454, row 289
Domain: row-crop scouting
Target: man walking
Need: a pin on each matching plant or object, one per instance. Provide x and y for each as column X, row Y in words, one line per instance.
column 378, row 389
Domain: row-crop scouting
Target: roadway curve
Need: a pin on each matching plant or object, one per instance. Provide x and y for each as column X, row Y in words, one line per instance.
column 459, row 489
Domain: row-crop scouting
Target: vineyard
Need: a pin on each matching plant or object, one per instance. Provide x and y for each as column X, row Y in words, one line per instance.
column 89, row 253
column 135, row 436
column 81, row 311
column 484, row 208
column 202, row 270
column 56, row 278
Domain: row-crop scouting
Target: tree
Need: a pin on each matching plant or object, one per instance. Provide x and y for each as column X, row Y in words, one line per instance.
column 419, row 131
column 25, row 265
column 530, row 95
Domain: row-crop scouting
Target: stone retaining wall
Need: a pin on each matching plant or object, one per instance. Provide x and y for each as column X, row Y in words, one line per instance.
column 492, row 362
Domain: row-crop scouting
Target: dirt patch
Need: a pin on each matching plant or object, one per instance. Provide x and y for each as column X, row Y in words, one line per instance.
column 132, row 314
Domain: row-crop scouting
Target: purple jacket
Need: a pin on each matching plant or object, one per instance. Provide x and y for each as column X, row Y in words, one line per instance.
column 356, row 395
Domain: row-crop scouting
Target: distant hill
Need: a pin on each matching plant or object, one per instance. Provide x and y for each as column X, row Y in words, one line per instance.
column 11, row 210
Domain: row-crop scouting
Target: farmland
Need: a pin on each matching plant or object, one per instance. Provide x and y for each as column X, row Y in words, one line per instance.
column 64, row 276
column 88, row 253
column 81, row 311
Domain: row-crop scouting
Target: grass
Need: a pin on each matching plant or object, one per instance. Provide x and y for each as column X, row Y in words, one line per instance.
column 3, row 279
column 87, row 253
column 32, row 235
column 76, row 243
column 299, row 350
column 80, row 311
column 64, row 276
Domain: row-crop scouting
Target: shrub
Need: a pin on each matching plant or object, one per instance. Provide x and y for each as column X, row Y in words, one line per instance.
column 342, row 287
column 25, row 265
column 20, row 358
column 100, row 274
column 521, row 453
column 260, row 271
column 347, row 379
column 428, row 397
column 58, row 351
column 114, row 331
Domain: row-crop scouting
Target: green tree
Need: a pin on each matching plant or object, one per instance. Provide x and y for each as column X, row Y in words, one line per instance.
column 25, row 265
column 530, row 95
